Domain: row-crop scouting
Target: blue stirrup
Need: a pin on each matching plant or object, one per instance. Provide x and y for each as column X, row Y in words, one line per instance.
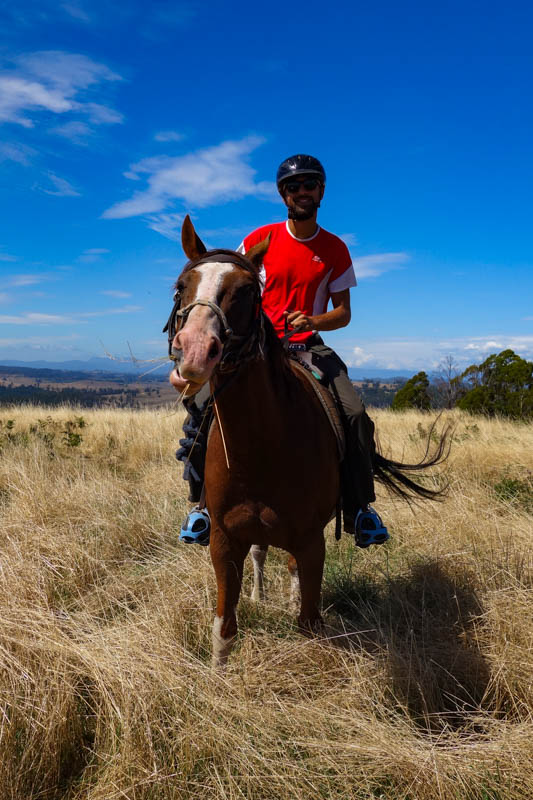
column 196, row 528
column 369, row 528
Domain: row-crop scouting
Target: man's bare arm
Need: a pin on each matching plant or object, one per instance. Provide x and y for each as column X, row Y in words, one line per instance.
column 338, row 317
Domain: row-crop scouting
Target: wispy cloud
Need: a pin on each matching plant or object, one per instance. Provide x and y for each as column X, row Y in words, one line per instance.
column 168, row 136
column 92, row 254
column 109, row 312
column 207, row 177
column 57, row 82
column 41, row 342
column 7, row 257
column 75, row 10
column 4, row 297
column 76, row 131
column 115, row 293
column 168, row 225
column 62, row 188
column 35, row 318
column 14, row 151
column 26, row 279
column 374, row 265
column 350, row 239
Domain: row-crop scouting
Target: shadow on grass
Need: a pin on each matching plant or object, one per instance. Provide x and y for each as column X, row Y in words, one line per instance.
column 422, row 624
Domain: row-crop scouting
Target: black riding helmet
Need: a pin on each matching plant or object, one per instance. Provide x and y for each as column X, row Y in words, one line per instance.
column 300, row 165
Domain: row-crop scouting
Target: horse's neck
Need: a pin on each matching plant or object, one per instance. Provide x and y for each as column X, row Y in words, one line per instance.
column 257, row 394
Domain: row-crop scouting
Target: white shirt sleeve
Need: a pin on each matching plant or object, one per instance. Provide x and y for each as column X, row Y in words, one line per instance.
column 344, row 281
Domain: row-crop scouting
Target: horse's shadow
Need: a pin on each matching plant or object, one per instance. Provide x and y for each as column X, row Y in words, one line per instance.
column 422, row 625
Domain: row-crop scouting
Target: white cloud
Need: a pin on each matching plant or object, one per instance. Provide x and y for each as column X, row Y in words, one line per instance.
column 14, row 151
column 92, row 254
column 426, row 354
column 168, row 136
column 76, row 11
column 349, row 239
column 210, row 176
column 359, row 357
column 168, row 225
column 115, row 293
column 102, row 115
column 484, row 346
column 109, row 312
column 35, row 318
column 76, row 131
column 26, row 279
column 7, row 257
column 39, row 342
column 53, row 81
column 374, row 265
column 62, row 188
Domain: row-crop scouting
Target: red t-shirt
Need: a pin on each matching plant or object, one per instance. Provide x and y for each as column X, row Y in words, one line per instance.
column 300, row 274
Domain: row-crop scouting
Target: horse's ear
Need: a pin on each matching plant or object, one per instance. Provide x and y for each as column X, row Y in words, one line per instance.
column 257, row 253
column 193, row 247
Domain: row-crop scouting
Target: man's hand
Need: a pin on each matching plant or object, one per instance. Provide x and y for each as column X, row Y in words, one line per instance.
column 299, row 321
column 338, row 317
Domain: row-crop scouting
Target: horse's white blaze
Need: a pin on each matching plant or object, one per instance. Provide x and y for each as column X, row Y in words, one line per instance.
column 221, row 647
column 211, row 277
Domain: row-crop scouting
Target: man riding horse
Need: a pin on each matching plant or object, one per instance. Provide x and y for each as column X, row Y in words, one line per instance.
column 305, row 267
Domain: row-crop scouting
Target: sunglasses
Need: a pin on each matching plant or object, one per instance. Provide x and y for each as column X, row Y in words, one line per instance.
column 293, row 187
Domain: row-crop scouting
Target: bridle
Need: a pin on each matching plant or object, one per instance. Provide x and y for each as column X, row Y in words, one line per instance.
column 236, row 348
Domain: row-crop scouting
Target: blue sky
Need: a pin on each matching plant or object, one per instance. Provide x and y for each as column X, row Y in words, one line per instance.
column 118, row 118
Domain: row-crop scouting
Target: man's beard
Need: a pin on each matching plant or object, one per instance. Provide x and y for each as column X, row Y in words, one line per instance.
column 300, row 214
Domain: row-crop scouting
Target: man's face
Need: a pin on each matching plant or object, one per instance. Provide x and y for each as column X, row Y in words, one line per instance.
column 302, row 196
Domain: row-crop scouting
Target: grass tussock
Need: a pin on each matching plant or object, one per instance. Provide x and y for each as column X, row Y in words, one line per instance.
column 421, row 689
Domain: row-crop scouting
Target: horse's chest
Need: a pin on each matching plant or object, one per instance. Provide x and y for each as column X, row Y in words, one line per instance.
column 244, row 517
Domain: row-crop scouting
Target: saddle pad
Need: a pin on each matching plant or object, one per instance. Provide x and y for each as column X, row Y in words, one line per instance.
column 328, row 404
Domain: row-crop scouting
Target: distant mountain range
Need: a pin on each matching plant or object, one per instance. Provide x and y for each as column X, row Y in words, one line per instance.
column 99, row 365
column 95, row 364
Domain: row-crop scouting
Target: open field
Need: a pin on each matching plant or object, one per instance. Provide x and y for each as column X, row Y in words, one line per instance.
column 424, row 689
column 112, row 391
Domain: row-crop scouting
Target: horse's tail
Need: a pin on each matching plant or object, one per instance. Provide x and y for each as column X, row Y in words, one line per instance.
column 392, row 473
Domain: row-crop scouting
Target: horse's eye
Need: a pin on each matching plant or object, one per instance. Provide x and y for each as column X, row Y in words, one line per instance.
column 243, row 292
column 178, row 290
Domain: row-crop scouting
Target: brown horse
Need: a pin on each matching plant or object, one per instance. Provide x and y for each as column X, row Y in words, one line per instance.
column 272, row 472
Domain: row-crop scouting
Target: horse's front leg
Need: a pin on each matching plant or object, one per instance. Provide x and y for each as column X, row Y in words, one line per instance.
column 310, row 561
column 228, row 560
column 259, row 552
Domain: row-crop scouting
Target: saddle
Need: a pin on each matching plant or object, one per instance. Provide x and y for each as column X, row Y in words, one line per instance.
column 301, row 364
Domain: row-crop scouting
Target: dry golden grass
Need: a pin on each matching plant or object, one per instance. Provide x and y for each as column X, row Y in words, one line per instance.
column 423, row 690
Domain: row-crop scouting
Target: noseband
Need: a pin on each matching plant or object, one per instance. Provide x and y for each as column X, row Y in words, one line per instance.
column 235, row 348
column 184, row 313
